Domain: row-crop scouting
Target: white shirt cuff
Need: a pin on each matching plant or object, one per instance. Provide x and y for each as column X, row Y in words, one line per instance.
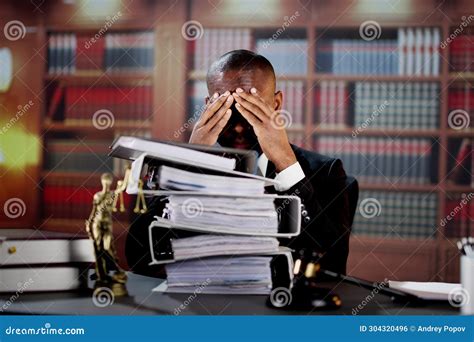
column 289, row 177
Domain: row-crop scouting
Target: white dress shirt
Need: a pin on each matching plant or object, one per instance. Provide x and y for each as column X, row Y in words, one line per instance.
column 287, row 178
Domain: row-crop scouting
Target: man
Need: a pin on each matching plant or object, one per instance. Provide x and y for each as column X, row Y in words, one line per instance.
column 243, row 111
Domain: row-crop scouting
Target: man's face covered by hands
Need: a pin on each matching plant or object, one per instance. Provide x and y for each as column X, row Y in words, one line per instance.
column 238, row 132
column 242, row 112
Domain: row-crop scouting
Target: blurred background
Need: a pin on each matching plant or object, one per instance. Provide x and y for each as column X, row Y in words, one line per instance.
column 387, row 86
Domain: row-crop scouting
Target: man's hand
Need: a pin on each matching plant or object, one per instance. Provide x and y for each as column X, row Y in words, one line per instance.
column 265, row 122
column 213, row 120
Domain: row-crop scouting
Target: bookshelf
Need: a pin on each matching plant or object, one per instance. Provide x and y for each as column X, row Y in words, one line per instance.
column 317, row 21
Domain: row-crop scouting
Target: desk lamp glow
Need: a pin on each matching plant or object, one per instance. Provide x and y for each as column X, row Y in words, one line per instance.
column 18, row 148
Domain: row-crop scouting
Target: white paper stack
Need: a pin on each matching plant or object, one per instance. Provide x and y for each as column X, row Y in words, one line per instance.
column 228, row 214
column 212, row 245
column 171, row 178
column 228, row 275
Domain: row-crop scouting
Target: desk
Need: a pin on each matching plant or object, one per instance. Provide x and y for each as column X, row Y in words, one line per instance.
column 144, row 302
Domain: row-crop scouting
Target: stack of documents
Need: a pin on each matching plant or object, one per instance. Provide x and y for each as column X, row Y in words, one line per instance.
column 228, row 214
column 201, row 246
column 218, row 230
column 175, row 179
column 222, row 275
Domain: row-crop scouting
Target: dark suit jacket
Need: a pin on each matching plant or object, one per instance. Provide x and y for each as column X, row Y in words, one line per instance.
column 325, row 228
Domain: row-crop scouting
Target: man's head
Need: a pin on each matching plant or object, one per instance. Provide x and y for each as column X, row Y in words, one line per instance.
column 242, row 69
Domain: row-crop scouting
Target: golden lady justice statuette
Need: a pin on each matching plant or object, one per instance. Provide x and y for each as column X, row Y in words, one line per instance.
column 99, row 228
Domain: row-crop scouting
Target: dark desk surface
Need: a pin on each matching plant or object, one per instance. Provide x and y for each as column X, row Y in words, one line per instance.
column 144, row 302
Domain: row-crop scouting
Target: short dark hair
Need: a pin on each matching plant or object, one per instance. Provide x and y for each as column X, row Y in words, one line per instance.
column 240, row 60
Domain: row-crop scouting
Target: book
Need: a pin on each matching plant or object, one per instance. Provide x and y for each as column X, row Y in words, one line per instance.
column 70, row 197
column 288, row 56
column 69, row 155
column 458, row 214
column 119, row 104
column 332, row 104
column 216, row 42
column 461, row 97
column 30, row 247
column 412, row 105
column 414, row 51
column 70, row 53
column 132, row 147
column 459, row 171
column 461, row 51
column 397, row 214
column 425, row 290
column 381, row 160
column 42, row 279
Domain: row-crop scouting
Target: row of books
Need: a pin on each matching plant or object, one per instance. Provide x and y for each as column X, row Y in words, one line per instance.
column 114, row 52
column 218, row 231
column 461, row 171
column 332, row 104
column 459, row 215
column 411, row 105
column 461, row 97
column 293, row 100
column 357, row 57
column 124, row 103
column 461, row 52
column 419, row 51
column 85, row 155
column 215, row 42
column 288, row 56
column 71, row 198
column 414, row 52
column 381, row 160
column 75, row 155
column 396, row 214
